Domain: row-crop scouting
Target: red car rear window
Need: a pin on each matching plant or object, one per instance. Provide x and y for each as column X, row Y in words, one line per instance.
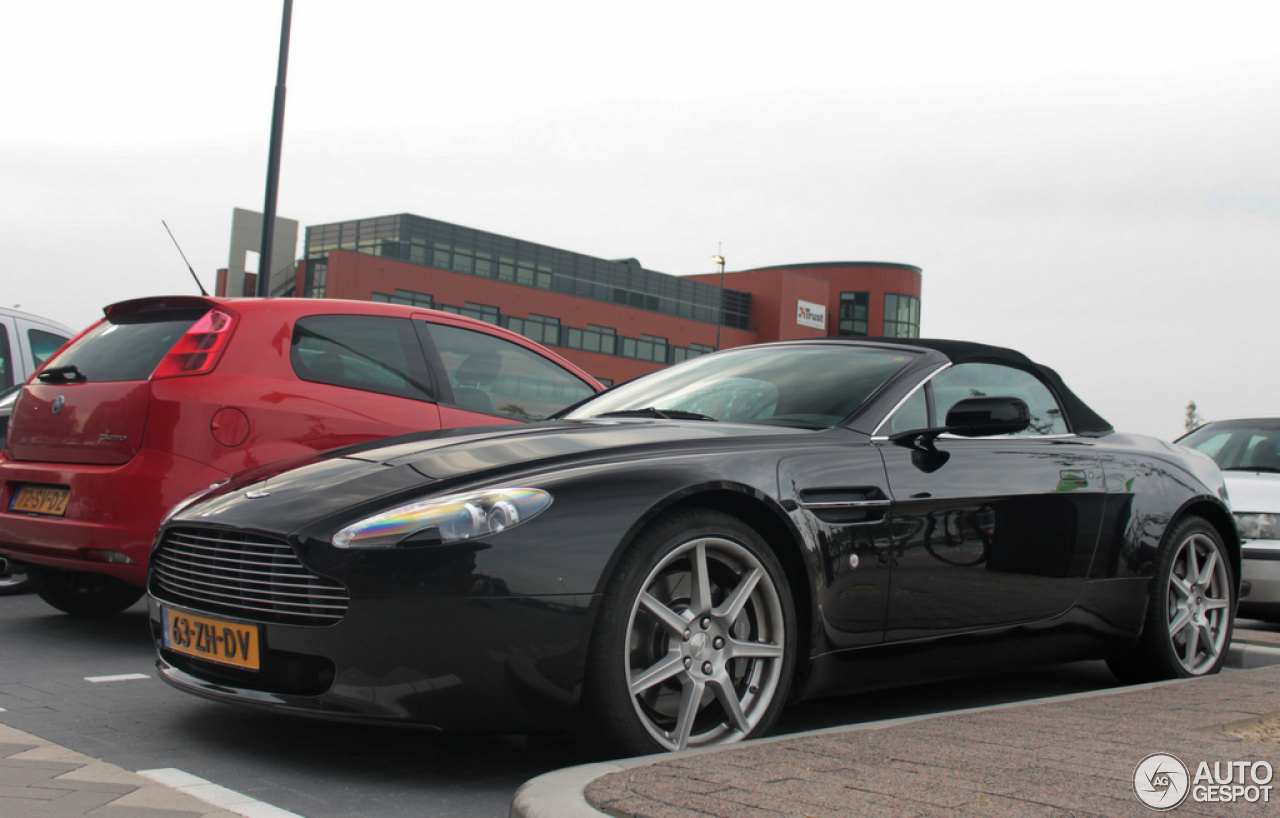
column 128, row 348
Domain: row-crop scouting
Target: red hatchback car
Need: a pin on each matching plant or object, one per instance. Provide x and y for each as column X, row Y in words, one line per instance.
column 166, row 396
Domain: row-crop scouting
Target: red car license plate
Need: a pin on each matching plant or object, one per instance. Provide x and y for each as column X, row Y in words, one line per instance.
column 49, row 500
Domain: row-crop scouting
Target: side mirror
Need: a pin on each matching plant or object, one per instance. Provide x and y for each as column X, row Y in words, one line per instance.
column 986, row 416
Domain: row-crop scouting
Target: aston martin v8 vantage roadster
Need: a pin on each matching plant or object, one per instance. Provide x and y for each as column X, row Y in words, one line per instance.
column 670, row 562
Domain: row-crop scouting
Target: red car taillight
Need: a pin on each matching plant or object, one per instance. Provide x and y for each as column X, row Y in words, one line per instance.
column 197, row 352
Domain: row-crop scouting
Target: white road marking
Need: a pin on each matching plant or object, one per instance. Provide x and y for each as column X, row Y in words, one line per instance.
column 122, row 677
column 218, row 796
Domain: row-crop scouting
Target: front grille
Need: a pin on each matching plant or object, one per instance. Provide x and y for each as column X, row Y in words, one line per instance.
column 244, row 575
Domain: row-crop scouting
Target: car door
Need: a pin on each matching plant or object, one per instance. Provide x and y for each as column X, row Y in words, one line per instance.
column 987, row 532
column 843, row 498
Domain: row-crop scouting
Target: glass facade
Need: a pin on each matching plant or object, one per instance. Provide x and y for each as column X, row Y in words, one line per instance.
column 445, row 246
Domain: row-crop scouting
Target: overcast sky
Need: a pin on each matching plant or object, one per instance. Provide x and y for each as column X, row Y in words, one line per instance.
column 1096, row 184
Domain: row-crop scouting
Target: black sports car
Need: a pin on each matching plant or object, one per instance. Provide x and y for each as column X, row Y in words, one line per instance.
column 670, row 562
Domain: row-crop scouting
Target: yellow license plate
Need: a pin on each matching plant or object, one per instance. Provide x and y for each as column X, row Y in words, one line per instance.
column 50, row 500
column 217, row 640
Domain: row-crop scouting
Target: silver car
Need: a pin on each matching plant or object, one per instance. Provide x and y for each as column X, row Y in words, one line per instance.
column 1248, row 452
column 26, row 342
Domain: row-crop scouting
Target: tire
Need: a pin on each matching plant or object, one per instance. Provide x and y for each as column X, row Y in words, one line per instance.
column 671, row 667
column 1191, row 612
column 81, row 593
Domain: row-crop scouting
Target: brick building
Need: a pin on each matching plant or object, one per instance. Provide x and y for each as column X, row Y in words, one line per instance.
column 613, row 318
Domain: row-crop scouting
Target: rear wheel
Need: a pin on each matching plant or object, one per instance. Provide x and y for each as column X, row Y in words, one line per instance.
column 695, row 640
column 1191, row 611
column 81, row 593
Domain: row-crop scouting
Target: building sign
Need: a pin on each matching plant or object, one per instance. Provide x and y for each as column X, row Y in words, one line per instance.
column 809, row 314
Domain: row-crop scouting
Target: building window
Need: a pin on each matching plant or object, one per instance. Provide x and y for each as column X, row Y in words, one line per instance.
column 645, row 348
column 481, row 312
column 440, row 255
column 679, row 354
column 319, row 274
column 854, row 308
column 541, row 328
column 592, row 339
column 405, row 297
column 463, row 261
column 901, row 316
column 506, row 269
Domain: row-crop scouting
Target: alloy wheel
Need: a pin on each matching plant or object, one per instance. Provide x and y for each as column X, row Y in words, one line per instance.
column 705, row 644
column 1199, row 601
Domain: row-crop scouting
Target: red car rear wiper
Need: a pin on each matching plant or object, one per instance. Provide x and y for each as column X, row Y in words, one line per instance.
column 62, row 374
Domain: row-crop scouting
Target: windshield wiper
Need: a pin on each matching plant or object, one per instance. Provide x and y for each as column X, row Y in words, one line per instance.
column 62, row 374
column 1267, row 469
column 655, row 412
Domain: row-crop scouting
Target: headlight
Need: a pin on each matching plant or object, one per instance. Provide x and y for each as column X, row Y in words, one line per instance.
column 446, row 519
column 1258, row 526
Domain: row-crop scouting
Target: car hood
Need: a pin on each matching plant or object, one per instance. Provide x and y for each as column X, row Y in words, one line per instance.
column 442, row 457
column 1252, row 491
column 286, row 497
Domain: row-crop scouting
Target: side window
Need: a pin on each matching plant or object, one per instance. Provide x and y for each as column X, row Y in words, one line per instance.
column 6, row 359
column 493, row 375
column 914, row 414
column 367, row 352
column 976, row 380
column 43, row 345
column 1263, row 452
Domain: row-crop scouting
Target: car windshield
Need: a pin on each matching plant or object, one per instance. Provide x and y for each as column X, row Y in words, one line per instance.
column 1239, row 446
column 810, row 387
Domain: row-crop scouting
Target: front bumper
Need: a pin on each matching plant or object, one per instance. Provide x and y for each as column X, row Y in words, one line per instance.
column 1260, row 569
column 501, row 664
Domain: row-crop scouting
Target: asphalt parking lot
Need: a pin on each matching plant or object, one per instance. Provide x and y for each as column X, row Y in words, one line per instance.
column 84, row 694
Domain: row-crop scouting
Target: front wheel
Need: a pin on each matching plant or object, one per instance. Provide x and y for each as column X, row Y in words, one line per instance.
column 1191, row 611
column 81, row 593
column 695, row 640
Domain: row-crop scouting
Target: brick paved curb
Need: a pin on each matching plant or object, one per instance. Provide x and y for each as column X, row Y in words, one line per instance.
column 1062, row 756
column 1072, row 756
column 38, row 778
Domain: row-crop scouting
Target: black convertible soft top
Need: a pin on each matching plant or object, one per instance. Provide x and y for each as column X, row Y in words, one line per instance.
column 1082, row 419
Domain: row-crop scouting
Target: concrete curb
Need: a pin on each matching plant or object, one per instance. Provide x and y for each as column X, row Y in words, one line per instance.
column 559, row 794
column 1246, row 656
